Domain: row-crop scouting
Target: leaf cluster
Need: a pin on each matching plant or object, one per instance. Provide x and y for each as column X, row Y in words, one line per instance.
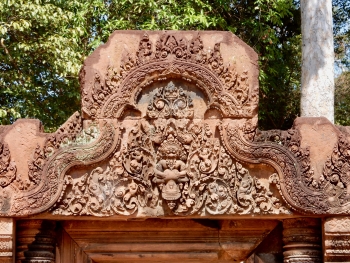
column 44, row 42
column 341, row 32
column 342, row 99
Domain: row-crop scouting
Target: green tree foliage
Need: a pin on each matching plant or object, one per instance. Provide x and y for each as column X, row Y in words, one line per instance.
column 44, row 42
column 341, row 28
column 342, row 99
column 341, row 17
column 39, row 61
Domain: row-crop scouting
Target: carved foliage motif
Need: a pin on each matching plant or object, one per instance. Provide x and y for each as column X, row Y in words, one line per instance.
column 8, row 173
column 300, row 188
column 170, row 102
column 283, row 151
column 7, row 168
column 69, row 146
column 330, row 193
column 175, row 57
column 77, row 152
column 336, row 177
column 171, row 164
column 66, row 133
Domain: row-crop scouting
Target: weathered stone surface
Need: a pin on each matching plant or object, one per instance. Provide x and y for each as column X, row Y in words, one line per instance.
column 219, row 64
column 155, row 240
column 36, row 240
column 169, row 129
column 302, row 240
column 25, row 152
column 329, row 158
column 336, row 239
column 151, row 103
column 6, row 240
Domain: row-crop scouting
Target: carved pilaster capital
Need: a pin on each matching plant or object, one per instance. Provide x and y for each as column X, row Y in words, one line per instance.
column 302, row 240
column 35, row 241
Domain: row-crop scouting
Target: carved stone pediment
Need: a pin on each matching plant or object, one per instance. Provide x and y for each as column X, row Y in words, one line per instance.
column 136, row 59
column 169, row 129
column 171, row 163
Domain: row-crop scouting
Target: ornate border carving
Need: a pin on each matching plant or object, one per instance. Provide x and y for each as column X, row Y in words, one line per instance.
column 146, row 168
column 173, row 58
column 68, row 147
column 7, row 168
column 51, row 186
column 170, row 165
column 298, row 185
column 289, row 159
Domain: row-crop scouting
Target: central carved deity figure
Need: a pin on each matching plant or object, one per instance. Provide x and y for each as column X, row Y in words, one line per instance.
column 170, row 171
column 172, row 158
column 173, row 162
column 185, row 162
column 169, row 127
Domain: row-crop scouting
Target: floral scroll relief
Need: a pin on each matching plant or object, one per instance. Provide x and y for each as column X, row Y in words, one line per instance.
column 170, row 56
column 170, row 165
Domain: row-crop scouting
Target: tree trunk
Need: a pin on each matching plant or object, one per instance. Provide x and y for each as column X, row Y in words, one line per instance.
column 317, row 80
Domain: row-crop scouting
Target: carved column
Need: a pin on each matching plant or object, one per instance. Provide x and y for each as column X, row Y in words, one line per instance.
column 337, row 239
column 35, row 241
column 302, row 240
column 6, row 240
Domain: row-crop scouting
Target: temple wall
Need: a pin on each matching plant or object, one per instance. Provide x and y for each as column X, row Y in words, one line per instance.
column 165, row 162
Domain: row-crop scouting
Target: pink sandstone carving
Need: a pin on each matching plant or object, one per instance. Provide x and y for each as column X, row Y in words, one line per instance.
column 169, row 128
